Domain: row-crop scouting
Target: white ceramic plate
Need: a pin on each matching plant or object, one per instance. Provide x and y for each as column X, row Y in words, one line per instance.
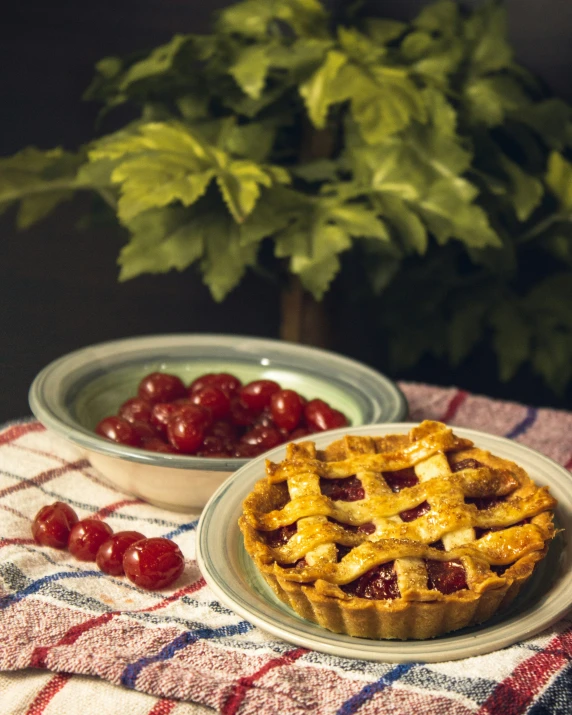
column 232, row 576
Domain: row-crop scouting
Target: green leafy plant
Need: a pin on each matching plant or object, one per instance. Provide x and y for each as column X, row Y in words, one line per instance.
column 416, row 166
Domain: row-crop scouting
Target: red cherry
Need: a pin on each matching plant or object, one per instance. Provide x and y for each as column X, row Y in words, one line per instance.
column 157, row 445
column 118, row 430
column 213, row 399
column 241, row 415
column 287, row 409
column 229, row 384
column 320, row 416
column 264, row 419
column 256, row 395
column 263, row 437
column 185, row 432
column 52, row 525
column 247, row 451
column 162, row 413
column 161, row 387
column 86, row 537
column 223, row 429
column 136, row 410
column 153, row 563
column 144, row 431
column 299, row 432
column 110, row 554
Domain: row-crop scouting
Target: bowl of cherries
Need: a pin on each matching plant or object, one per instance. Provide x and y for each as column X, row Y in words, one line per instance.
column 168, row 418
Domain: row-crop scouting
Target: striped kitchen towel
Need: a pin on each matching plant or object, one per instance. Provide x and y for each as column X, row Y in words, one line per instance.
column 181, row 646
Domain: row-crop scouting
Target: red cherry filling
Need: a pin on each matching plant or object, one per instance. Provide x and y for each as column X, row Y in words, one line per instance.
column 401, row 479
column 446, row 576
column 416, row 512
column 279, row 537
column 379, row 583
column 348, row 489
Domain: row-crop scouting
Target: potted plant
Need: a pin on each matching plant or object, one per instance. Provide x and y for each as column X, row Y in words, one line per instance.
column 415, row 167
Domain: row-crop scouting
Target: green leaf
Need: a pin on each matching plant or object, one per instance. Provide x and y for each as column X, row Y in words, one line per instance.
column 272, row 213
column 226, row 258
column 157, row 63
column 359, row 47
column 486, row 32
column 240, row 186
column 317, row 270
column 320, row 92
column 359, row 221
column 559, row 179
column 319, row 170
column 163, row 163
column 161, row 240
column 551, row 120
column 386, row 104
column 35, row 208
column 39, row 180
column 441, row 17
column 411, row 230
column 448, row 215
column 512, row 338
column 526, row 191
column 251, row 18
column 552, row 359
column 489, row 99
column 383, row 31
column 465, row 328
column 250, row 69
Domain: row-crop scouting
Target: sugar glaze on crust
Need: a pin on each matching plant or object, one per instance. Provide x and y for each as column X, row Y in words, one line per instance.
column 402, row 536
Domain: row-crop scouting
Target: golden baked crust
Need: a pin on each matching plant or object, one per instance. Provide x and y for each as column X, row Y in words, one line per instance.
column 403, row 536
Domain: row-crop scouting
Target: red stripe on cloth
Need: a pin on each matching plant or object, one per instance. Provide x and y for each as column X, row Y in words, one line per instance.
column 17, row 431
column 453, row 407
column 44, row 477
column 46, row 694
column 39, row 655
column 196, row 586
column 10, row 542
column 568, row 464
column 107, row 510
column 163, row 707
column 515, row 693
column 236, row 697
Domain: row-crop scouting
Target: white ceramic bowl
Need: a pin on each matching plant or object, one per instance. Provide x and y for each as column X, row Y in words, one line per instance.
column 72, row 394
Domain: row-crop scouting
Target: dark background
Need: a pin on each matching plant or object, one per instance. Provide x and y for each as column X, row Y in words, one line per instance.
column 59, row 287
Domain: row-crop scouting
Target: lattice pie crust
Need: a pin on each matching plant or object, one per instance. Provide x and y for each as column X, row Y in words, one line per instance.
column 403, row 536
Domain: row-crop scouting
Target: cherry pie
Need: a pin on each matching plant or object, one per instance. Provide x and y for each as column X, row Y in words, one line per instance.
column 402, row 536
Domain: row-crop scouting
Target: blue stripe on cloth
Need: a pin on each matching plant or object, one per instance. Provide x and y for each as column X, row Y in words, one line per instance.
column 35, row 586
column 182, row 529
column 523, row 425
column 133, row 670
column 356, row 701
column 557, row 698
column 83, row 505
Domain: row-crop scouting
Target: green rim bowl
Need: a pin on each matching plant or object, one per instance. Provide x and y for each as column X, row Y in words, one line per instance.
column 72, row 394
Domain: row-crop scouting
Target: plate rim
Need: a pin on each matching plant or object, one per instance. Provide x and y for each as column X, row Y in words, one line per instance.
column 454, row 647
